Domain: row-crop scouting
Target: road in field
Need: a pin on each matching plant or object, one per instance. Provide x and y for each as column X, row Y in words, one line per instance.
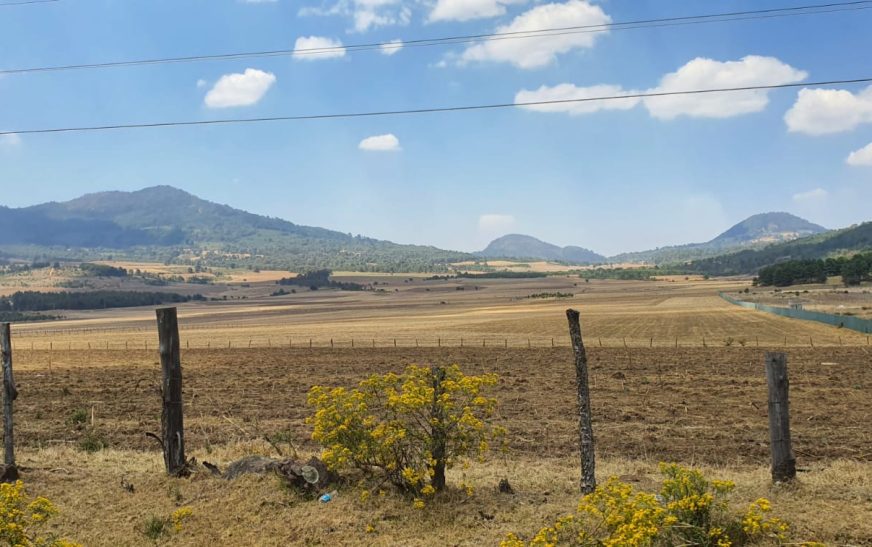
column 473, row 312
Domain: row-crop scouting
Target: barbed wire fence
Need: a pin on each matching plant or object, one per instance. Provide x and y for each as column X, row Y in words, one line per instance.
column 431, row 342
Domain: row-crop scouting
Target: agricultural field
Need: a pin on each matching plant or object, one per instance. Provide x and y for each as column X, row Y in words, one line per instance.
column 449, row 312
column 676, row 375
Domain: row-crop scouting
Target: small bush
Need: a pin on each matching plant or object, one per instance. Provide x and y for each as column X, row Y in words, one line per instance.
column 92, row 442
column 78, row 417
column 155, row 528
column 20, row 521
column 688, row 510
column 410, row 427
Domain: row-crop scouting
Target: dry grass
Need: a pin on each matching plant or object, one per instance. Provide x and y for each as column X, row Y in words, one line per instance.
column 830, row 502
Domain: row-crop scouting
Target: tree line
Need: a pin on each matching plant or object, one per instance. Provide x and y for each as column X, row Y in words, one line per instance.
column 33, row 301
column 853, row 270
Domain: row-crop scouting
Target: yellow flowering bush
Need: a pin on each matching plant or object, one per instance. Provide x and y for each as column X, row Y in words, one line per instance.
column 411, row 426
column 20, row 521
column 688, row 510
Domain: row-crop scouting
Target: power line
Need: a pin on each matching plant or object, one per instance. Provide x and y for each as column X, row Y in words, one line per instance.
column 26, row 2
column 493, row 106
column 812, row 9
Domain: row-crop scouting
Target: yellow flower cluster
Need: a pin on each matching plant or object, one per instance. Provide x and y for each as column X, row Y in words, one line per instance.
column 179, row 516
column 19, row 519
column 758, row 525
column 410, row 426
column 688, row 510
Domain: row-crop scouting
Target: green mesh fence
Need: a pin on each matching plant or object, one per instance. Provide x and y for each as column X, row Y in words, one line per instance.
column 841, row 321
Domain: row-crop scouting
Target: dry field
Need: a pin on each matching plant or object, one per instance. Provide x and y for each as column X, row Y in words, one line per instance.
column 700, row 406
column 702, row 403
column 473, row 312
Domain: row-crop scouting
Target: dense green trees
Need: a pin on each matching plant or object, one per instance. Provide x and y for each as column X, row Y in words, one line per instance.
column 30, row 301
column 853, row 270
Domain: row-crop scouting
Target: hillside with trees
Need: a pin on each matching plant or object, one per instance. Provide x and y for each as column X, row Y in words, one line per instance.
column 836, row 243
column 164, row 224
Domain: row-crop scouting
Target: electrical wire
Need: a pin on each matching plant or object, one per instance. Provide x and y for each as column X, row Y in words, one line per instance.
column 493, row 106
column 812, row 9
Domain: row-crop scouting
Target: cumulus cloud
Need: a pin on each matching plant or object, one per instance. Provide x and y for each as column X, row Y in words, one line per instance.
column 823, row 111
column 332, row 48
column 366, row 14
column 202, row 83
column 380, row 143
column 465, row 10
column 243, row 89
column 391, row 47
column 697, row 74
column 861, row 157
column 493, row 223
column 817, row 194
column 566, row 92
column 702, row 73
column 10, row 140
column 540, row 51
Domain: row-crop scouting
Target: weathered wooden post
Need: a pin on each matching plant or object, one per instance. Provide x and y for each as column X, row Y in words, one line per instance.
column 783, row 460
column 585, row 429
column 10, row 393
column 172, row 426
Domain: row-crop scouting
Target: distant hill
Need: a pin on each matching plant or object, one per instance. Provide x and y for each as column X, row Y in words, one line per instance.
column 756, row 231
column 166, row 223
column 526, row 247
column 836, row 242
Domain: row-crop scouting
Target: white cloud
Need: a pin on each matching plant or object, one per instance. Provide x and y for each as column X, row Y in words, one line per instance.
column 822, row 111
column 696, row 74
column 496, row 223
column 465, row 10
column 817, row 194
column 391, row 47
column 366, row 14
column 702, row 73
column 380, row 143
column 861, row 157
column 240, row 89
column 332, row 48
column 202, row 83
column 10, row 140
column 542, row 50
column 564, row 92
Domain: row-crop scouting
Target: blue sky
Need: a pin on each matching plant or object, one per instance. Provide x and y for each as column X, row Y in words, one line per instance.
column 627, row 175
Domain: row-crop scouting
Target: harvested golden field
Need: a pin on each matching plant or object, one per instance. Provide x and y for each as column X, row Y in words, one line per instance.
column 472, row 312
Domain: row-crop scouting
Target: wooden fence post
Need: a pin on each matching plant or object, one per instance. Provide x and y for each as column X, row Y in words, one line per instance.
column 10, row 393
column 585, row 429
column 783, row 460
column 172, row 426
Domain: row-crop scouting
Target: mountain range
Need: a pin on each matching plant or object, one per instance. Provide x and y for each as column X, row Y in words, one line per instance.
column 754, row 232
column 166, row 224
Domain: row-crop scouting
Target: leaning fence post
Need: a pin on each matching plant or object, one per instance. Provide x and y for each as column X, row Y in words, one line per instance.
column 783, row 460
column 172, row 427
column 10, row 393
column 585, row 429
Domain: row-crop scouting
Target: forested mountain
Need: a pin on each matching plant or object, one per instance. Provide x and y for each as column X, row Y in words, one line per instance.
column 756, row 231
column 828, row 244
column 166, row 223
column 527, row 247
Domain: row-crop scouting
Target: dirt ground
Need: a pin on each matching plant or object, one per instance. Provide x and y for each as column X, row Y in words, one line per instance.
column 703, row 405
